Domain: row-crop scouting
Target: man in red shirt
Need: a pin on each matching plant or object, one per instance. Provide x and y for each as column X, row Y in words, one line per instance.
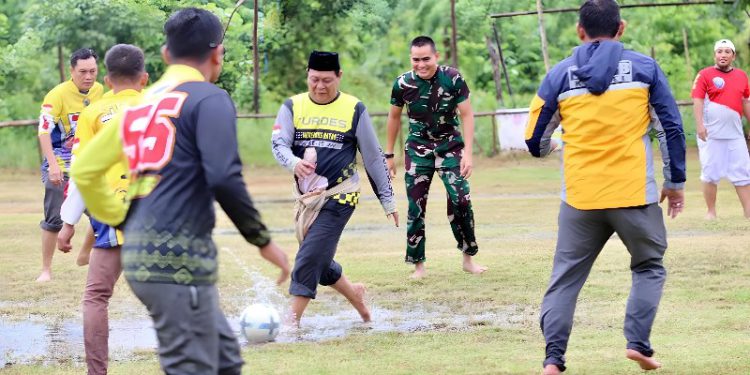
column 721, row 96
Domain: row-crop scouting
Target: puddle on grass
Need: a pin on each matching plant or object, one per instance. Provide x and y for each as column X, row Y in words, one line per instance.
column 41, row 341
column 322, row 327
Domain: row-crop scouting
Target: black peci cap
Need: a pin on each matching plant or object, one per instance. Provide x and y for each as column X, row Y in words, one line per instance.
column 192, row 32
column 324, row 61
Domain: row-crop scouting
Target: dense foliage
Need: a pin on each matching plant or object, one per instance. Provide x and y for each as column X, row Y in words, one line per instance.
column 371, row 35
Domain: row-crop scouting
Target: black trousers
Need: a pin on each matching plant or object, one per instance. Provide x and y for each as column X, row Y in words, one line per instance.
column 314, row 263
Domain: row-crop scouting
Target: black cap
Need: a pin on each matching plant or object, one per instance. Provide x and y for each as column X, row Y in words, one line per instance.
column 324, row 61
column 192, row 32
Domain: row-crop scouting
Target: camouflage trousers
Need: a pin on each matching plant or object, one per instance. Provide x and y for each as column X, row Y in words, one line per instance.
column 421, row 161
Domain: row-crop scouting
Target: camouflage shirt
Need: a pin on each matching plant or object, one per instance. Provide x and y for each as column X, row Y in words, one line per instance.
column 431, row 104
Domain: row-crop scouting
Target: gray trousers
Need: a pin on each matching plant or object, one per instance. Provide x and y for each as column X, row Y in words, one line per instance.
column 54, row 195
column 581, row 236
column 194, row 336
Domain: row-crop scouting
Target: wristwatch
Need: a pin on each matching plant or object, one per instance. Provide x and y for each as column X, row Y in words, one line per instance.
column 388, row 156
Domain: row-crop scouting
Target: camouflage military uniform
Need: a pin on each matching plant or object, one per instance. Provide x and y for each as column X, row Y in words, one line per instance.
column 434, row 144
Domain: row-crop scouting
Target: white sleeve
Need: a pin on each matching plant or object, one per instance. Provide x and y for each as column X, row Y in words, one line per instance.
column 282, row 137
column 73, row 206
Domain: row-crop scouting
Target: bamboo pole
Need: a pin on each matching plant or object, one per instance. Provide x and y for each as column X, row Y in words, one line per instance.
column 502, row 63
column 542, row 33
column 622, row 6
column 689, row 70
column 256, row 60
column 504, row 111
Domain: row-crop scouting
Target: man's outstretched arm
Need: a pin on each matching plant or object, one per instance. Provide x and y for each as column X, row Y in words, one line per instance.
column 393, row 126
column 544, row 118
column 216, row 137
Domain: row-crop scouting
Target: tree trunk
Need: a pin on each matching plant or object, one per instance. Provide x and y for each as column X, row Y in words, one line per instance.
column 495, row 59
column 60, row 62
column 454, row 46
column 447, row 45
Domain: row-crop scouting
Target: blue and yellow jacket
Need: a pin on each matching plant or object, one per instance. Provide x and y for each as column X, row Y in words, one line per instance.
column 604, row 96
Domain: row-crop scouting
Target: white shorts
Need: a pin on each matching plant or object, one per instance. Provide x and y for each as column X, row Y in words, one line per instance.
column 724, row 158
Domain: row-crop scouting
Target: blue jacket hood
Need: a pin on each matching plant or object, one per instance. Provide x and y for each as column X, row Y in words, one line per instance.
column 597, row 64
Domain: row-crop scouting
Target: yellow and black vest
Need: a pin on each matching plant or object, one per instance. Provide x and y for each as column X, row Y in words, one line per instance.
column 330, row 128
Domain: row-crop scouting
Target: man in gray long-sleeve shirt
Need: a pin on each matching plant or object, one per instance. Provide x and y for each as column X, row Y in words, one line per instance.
column 316, row 136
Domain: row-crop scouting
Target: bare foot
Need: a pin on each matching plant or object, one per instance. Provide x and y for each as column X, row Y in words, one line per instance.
column 419, row 271
column 471, row 267
column 297, row 308
column 290, row 319
column 711, row 216
column 83, row 257
column 646, row 363
column 359, row 301
column 551, row 370
column 44, row 277
column 418, row 274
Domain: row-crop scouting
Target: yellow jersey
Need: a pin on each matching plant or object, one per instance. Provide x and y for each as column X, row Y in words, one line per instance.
column 59, row 116
column 106, row 151
column 93, row 119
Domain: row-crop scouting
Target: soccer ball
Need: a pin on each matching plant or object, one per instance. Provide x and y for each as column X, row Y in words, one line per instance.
column 260, row 323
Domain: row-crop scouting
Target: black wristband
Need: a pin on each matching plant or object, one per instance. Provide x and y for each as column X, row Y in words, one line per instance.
column 388, row 156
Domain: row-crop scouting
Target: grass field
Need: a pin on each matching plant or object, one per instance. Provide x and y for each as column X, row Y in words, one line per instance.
column 484, row 324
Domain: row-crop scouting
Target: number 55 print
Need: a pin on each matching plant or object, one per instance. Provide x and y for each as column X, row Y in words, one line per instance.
column 148, row 134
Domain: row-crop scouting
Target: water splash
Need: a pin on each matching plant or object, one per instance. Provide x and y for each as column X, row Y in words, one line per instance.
column 342, row 319
column 262, row 289
column 39, row 340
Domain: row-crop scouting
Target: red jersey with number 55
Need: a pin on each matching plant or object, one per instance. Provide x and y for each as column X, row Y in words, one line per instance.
column 723, row 94
column 180, row 142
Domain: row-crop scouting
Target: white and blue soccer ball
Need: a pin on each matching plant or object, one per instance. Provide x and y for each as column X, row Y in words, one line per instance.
column 260, row 323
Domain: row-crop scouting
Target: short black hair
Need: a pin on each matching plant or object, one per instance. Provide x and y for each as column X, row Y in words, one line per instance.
column 124, row 62
column 423, row 40
column 599, row 18
column 82, row 54
column 192, row 33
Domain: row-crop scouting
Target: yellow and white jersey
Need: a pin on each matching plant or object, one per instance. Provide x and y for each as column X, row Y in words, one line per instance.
column 61, row 108
column 59, row 115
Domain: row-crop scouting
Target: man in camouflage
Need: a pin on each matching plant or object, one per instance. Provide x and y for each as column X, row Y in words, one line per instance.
column 433, row 94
